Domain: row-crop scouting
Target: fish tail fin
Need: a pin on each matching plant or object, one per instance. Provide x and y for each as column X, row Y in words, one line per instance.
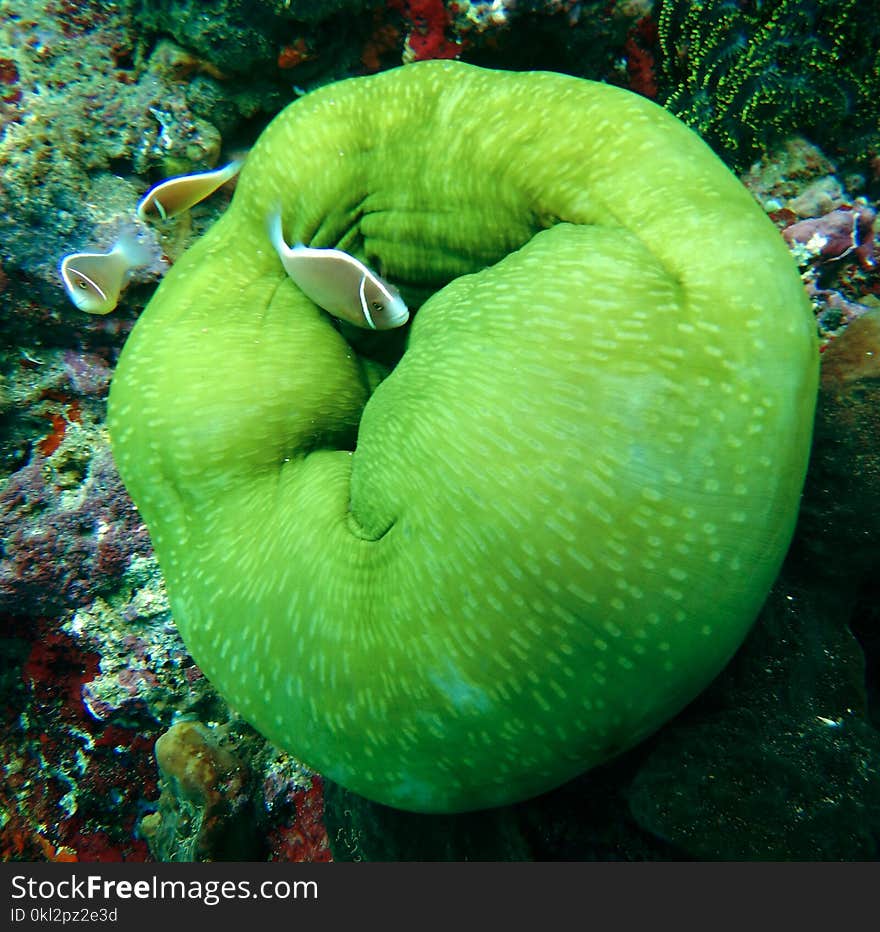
column 133, row 250
column 232, row 169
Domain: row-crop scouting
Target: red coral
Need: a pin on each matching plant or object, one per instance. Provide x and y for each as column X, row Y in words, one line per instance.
column 57, row 669
column 306, row 839
column 50, row 443
column 98, row 847
column 64, row 756
column 429, row 20
column 18, row 839
column 384, row 38
column 640, row 48
column 295, row 54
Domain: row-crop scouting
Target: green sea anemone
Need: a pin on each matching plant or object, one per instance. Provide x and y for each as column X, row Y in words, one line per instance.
column 554, row 521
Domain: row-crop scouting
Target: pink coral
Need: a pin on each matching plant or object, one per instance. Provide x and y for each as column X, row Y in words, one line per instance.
column 848, row 230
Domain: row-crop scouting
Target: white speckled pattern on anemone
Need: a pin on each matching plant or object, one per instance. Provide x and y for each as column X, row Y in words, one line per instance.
column 554, row 522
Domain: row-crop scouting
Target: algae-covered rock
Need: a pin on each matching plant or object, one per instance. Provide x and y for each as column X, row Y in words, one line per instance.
column 840, row 515
column 238, row 35
column 778, row 761
column 205, row 811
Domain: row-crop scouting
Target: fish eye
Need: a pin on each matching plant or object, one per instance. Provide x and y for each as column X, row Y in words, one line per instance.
column 376, row 306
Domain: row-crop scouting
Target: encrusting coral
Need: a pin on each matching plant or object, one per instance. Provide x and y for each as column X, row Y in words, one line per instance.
column 555, row 520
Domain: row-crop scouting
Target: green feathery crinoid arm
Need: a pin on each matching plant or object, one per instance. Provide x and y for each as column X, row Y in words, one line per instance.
column 555, row 520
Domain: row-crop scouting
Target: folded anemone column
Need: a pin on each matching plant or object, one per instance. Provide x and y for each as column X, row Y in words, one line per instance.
column 555, row 520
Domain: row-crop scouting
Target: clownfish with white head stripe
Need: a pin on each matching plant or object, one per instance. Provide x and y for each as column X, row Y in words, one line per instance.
column 175, row 195
column 339, row 283
column 94, row 280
